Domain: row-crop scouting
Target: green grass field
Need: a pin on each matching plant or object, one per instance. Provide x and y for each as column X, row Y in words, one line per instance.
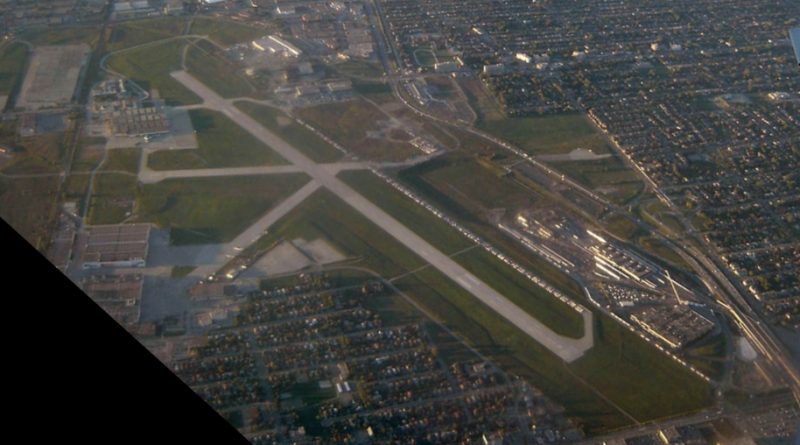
column 210, row 66
column 622, row 367
column 359, row 68
column 62, row 36
column 221, row 143
column 225, row 32
column 425, row 57
column 657, row 248
column 212, row 210
column 123, row 160
column 350, row 124
column 27, row 205
column 610, row 177
column 75, row 186
column 38, row 154
column 139, row 32
column 475, row 184
column 373, row 89
column 13, row 59
column 623, row 228
column 150, row 67
column 295, row 134
column 548, row 134
column 113, row 198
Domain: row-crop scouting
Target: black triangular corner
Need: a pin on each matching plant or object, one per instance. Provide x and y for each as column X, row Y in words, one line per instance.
column 77, row 374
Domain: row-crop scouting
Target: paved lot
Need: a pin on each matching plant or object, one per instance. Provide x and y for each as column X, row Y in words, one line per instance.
column 567, row 348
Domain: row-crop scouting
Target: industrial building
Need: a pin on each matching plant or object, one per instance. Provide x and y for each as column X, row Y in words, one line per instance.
column 122, row 245
column 126, row 10
column 118, row 295
column 276, row 45
column 139, row 121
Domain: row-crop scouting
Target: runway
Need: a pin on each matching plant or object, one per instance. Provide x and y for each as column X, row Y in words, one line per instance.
column 569, row 349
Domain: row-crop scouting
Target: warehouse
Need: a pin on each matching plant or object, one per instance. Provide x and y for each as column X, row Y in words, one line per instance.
column 123, row 245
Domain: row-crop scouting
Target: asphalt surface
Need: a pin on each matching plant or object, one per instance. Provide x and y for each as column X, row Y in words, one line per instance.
column 569, row 349
column 149, row 176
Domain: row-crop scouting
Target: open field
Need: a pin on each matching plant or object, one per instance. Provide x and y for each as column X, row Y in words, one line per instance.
column 13, row 59
column 610, row 177
column 619, row 362
column 622, row 227
column 212, row 210
column 546, row 308
column 445, row 87
column 61, row 36
column 657, row 213
column 113, row 197
column 123, row 160
column 548, row 134
column 297, row 135
column 655, row 247
column 209, row 65
column 481, row 101
column 88, row 153
column 476, row 184
column 360, row 68
column 150, row 67
column 708, row 355
column 221, row 143
column 37, row 154
column 75, row 187
column 637, row 377
column 225, row 32
column 138, row 32
column 373, row 89
column 86, row 159
column 351, row 124
column 27, row 205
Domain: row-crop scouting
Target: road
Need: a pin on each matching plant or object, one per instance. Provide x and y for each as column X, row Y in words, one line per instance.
column 568, row 349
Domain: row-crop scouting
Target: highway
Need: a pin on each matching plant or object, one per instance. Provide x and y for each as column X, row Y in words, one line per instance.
column 568, row 349
column 726, row 293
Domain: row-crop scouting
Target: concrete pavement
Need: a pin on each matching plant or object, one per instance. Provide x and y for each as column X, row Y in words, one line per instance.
column 569, row 349
column 148, row 176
